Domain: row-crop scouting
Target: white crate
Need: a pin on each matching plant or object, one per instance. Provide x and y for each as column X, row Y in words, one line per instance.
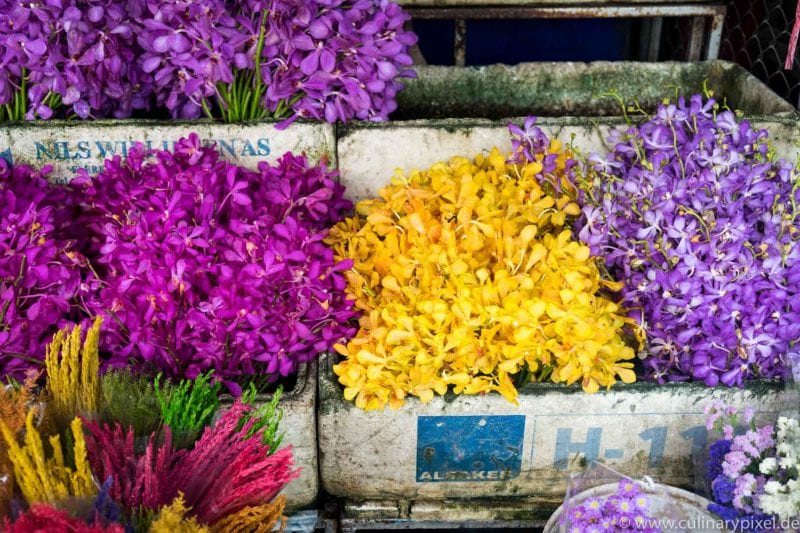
column 401, row 464
column 369, row 153
column 299, row 425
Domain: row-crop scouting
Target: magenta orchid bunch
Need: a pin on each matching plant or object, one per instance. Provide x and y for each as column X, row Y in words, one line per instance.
column 249, row 59
column 41, row 273
column 700, row 222
column 69, row 58
column 209, row 266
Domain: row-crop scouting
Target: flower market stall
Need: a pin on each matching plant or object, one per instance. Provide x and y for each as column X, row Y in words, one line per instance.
column 254, row 262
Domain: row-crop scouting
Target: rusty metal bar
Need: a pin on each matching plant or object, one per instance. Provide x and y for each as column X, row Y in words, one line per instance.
column 696, row 38
column 533, row 12
column 715, row 36
column 460, row 42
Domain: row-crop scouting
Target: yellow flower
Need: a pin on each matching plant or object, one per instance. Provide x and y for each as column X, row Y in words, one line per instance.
column 43, row 479
column 73, row 382
column 467, row 275
column 175, row 518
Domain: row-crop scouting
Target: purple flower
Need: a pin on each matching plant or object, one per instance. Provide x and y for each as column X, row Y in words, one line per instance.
column 723, row 488
column 324, row 60
column 701, row 226
column 624, row 510
column 71, row 58
column 210, row 266
column 41, row 273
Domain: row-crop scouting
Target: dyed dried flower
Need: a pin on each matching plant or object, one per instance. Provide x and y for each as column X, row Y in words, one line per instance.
column 73, row 374
column 43, row 517
column 16, row 399
column 49, row 479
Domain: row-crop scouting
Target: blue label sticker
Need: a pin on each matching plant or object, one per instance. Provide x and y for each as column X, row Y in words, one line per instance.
column 6, row 154
column 469, row 448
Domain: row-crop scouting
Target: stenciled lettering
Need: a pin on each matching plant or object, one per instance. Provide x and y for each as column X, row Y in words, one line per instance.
column 66, row 150
column 463, row 475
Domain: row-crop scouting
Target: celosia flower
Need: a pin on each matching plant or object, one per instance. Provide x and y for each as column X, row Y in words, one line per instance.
column 695, row 216
column 210, row 266
column 43, row 517
column 229, row 470
column 40, row 272
column 466, row 275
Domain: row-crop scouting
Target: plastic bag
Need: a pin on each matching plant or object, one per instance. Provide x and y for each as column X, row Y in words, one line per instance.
column 793, row 386
column 601, row 499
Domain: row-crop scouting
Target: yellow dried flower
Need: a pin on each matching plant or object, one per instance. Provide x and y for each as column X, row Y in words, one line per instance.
column 467, row 275
column 174, row 519
column 73, row 382
column 48, row 480
column 260, row 519
column 15, row 402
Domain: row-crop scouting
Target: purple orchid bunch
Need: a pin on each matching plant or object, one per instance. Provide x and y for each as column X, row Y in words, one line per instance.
column 698, row 219
column 752, row 471
column 249, row 59
column 41, row 274
column 69, row 58
column 624, row 510
column 206, row 265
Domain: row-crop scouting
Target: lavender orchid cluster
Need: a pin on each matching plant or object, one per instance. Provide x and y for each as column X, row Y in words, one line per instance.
column 627, row 509
column 248, row 59
column 693, row 214
column 40, row 273
column 69, row 57
column 210, row 266
column 231, row 59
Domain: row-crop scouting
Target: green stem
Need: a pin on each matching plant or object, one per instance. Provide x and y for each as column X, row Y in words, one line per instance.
column 206, row 109
column 258, row 83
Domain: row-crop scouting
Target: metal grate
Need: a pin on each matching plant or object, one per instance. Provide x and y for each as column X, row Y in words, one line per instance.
column 756, row 35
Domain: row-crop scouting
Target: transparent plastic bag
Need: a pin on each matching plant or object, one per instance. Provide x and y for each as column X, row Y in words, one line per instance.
column 602, row 499
column 793, row 386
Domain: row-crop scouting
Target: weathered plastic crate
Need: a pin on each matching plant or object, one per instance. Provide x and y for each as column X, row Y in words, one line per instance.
column 69, row 146
column 483, row 458
column 299, row 425
column 450, row 111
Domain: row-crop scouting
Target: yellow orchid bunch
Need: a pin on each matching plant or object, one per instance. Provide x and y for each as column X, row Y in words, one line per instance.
column 467, row 275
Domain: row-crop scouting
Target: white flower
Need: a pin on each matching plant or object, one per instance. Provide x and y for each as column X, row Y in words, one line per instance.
column 768, row 466
column 783, row 498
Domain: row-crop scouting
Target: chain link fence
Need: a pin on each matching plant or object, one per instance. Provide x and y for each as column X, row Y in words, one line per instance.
column 756, row 36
